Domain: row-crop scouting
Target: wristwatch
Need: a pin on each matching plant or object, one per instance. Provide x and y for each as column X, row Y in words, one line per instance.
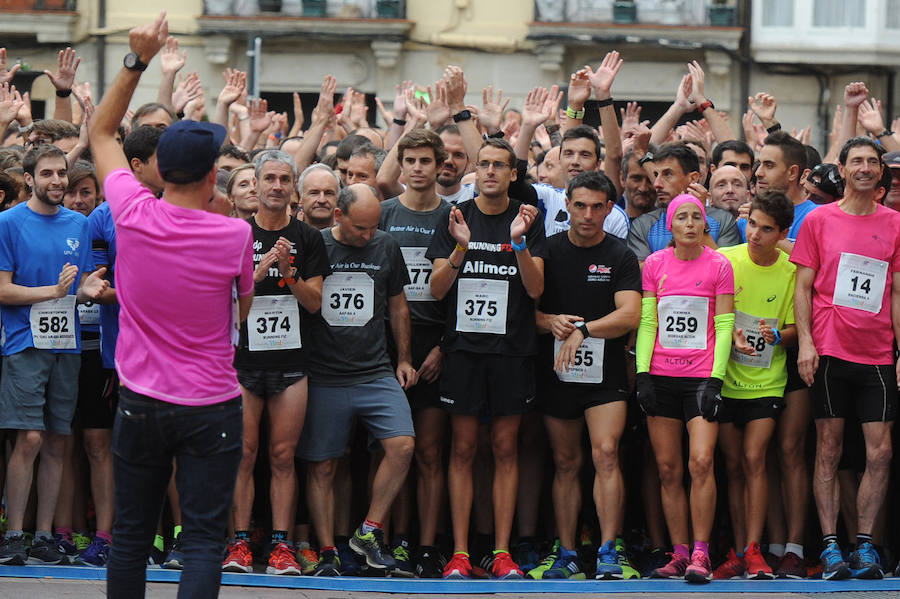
column 133, row 62
column 648, row 157
column 582, row 326
column 462, row 115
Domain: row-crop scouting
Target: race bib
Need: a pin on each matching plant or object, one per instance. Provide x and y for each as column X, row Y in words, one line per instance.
column 89, row 313
column 764, row 351
column 53, row 323
column 348, row 299
column 274, row 323
column 587, row 367
column 683, row 321
column 481, row 306
column 419, row 268
column 860, row 283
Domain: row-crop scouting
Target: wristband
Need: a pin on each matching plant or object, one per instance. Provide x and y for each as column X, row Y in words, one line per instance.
column 884, row 133
column 705, row 105
column 180, row 114
column 461, row 248
column 400, row 122
column 607, row 102
column 518, row 246
column 462, row 115
column 774, row 128
column 777, row 337
column 574, row 114
column 495, row 135
column 63, row 93
column 453, row 266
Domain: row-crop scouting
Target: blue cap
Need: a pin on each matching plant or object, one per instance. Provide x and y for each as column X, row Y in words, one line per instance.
column 188, row 150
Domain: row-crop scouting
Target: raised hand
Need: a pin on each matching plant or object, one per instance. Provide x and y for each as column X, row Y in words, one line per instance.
column 536, row 109
column 298, row 112
column 438, row 111
column 10, row 103
column 415, row 107
column 235, row 83
column 6, row 74
column 631, row 115
column 188, row 89
column 169, row 60
column 855, row 94
column 763, row 106
column 459, row 230
column 260, row 117
column 870, row 116
column 579, row 88
column 491, row 110
column 683, row 94
column 602, row 79
column 698, row 78
column 358, row 110
column 82, row 91
column 66, row 65
column 399, row 106
column 455, row 80
column 523, row 221
column 147, row 40
column 324, row 110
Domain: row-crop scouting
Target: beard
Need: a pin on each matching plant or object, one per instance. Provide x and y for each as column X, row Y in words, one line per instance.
column 43, row 196
column 446, row 180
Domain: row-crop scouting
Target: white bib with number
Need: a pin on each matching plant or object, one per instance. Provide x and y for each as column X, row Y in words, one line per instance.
column 419, row 268
column 89, row 313
column 274, row 323
column 481, row 306
column 587, row 367
column 860, row 282
column 348, row 299
column 764, row 351
column 53, row 323
column 682, row 321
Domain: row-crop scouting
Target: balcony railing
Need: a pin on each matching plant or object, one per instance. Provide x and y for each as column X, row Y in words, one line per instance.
column 340, row 9
column 641, row 12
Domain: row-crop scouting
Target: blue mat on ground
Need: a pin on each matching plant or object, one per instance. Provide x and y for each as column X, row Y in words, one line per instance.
column 402, row 585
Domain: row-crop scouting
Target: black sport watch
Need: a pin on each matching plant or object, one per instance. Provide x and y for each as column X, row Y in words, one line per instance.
column 582, row 326
column 133, row 62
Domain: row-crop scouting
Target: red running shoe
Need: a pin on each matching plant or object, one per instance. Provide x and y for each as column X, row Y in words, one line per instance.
column 458, row 568
column 504, row 568
column 282, row 561
column 732, row 567
column 757, row 567
column 239, row 558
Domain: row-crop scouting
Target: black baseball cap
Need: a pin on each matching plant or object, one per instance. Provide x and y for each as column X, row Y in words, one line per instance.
column 188, row 150
column 891, row 159
column 827, row 177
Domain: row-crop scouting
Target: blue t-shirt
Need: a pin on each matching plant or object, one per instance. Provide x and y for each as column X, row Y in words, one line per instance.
column 34, row 248
column 103, row 234
column 800, row 212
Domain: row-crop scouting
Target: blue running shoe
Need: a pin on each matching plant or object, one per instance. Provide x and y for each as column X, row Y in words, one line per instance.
column 67, row 546
column 833, row 565
column 565, row 567
column 347, row 558
column 96, row 554
column 866, row 563
column 608, row 567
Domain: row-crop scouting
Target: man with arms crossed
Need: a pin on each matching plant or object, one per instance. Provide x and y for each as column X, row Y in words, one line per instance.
column 848, row 280
column 185, row 280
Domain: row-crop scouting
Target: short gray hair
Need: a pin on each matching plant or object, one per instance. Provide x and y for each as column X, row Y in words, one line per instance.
column 314, row 167
column 275, row 156
column 347, row 197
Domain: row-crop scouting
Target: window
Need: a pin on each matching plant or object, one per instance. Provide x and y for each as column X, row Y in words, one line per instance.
column 892, row 17
column 778, row 13
column 839, row 13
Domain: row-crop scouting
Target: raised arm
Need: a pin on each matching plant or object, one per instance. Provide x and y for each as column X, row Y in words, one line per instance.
column 680, row 107
column 601, row 83
column 719, row 127
column 63, row 80
column 322, row 115
column 170, row 62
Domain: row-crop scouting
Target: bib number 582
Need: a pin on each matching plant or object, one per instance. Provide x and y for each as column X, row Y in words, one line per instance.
column 53, row 324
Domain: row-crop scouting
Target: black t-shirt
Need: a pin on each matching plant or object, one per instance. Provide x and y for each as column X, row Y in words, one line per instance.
column 349, row 331
column 272, row 321
column 583, row 282
column 413, row 231
column 488, row 283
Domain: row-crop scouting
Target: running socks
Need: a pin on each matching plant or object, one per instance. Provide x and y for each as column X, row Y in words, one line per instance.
column 368, row 526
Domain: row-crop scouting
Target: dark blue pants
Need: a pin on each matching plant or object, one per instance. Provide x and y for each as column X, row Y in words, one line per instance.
column 206, row 444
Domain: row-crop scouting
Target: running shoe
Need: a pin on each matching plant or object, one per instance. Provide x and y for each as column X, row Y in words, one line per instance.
column 329, row 564
column 674, row 569
column 12, row 551
column 700, row 570
column 732, row 567
column 347, row 559
column 282, row 561
column 833, row 565
column 526, row 554
column 96, row 554
column 790, row 566
column 654, row 559
column 865, row 562
column 537, row 573
column 371, row 546
column 307, row 558
column 757, row 567
column 458, row 568
column 628, row 572
column 44, row 551
column 504, row 568
column 400, row 553
column 608, row 567
column 67, row 545
column 175, row 556
column 565, row 567
column 429, row 563
column 238, row 558
column 81, row 541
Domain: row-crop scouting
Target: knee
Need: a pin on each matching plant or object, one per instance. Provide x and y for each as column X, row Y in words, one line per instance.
column 605, row 455
column 463, row 450
column 506, row 450
column 428, row 456
column 754, row 462
column 248, row 454
column 791, row 447
column 400, row 450
column 322, row 472
column 281, row 457
column 828, row 451
column 567, row 461
column 879, row 457
column 97, row 450
column 29, row 443
column 670, row 473
column 700, row 465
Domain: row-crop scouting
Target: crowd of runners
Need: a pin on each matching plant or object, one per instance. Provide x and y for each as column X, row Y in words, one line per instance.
column 477, row 341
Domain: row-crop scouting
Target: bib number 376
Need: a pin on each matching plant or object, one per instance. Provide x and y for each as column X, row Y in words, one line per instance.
column 348, row 299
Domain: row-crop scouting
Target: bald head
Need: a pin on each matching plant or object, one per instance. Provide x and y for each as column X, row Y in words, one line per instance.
column 357, row 214
column 728, row 189
column 550, row 171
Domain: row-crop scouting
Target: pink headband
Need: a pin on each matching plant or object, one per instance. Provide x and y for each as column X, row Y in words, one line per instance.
column 677, row 202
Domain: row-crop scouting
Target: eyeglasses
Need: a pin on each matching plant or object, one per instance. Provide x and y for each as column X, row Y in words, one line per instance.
column 486, row 164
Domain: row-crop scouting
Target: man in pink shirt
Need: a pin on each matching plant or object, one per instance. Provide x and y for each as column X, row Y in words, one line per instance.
column 848, row 282
column 184, row 279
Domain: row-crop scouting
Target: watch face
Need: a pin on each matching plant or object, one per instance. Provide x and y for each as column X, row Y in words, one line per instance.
column 130, row 60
